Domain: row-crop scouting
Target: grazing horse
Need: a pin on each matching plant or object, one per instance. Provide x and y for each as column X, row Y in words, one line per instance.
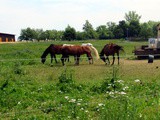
column 77, row 51
column 52, row 50
column 110, row 49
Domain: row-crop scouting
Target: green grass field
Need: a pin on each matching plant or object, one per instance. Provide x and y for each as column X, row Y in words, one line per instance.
column 35, row 91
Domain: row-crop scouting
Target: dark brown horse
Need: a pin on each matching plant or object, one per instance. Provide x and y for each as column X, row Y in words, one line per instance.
column 52, row 50
column 77, row 51
column 110, row 49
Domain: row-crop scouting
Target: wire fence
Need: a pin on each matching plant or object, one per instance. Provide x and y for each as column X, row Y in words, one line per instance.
column 82, row 57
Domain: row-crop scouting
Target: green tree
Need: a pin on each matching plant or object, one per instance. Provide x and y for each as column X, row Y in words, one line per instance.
column 102, row 32
column 153, row 25
column 146, row 31
column 118, row 32
column 111, row 27
column 132, row 16
column 90, row 33
column 69, row 33
column 134, row 28
column 124, row 27
column 28, row 34
column 59, row 35
column 39, row 34
column 80, row 35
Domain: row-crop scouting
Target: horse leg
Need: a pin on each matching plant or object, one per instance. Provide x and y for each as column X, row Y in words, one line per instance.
column 108, row 60
column 78, row 57
column 68, row 58
column 118, row 57
column 113, row 60
column 51, row 58
column 55, row 58
column 62, row 59
column 75, row 59
column 90, row 58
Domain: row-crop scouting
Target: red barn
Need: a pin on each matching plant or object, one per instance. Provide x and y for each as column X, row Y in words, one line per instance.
column 4, row 37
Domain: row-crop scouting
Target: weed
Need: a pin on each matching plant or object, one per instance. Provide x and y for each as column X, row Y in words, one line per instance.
column 66, row 82
column 110, row 83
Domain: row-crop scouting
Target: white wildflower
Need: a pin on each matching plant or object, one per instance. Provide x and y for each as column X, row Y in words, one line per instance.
column 78, row 104
column 125, row 88
column 140, row 115
column 60, row 91
column 122, row 93
column 136, row 80
column 120, row 81
column 19, row 102
column 72, row 100
column 101, row 104
column 39, row 89
column 66, row 97
column 82, row 108
column 79, row 100
column 111, row 93
column 86, row 111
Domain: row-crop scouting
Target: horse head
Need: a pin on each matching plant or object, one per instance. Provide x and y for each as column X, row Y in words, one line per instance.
column 45, row 53
column 102, row 57
column 43, row 59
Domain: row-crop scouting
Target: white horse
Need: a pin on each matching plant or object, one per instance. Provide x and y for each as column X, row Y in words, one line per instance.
column 87, row 44
column 68, row 45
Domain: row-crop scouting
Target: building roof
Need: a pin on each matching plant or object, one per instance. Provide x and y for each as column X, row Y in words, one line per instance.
column 6, row 34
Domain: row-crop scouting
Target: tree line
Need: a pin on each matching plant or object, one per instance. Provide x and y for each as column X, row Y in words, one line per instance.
column 130, row 28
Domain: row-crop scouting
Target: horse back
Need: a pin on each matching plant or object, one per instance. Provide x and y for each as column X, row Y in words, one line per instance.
column 56, row 49
column 110, row 49
column 75, row 50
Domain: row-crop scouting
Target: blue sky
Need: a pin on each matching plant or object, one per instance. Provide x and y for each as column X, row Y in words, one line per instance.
column 57, row 14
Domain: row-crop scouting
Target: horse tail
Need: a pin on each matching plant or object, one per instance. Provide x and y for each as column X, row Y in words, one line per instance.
column 95, row 52
column 121, row 49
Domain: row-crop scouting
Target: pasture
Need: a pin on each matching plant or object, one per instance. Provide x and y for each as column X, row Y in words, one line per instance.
column 32, row 90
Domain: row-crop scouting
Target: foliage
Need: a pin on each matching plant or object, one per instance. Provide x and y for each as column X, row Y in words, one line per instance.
column 134, row 29
column 111, row 27
column 132, row 16
column 80, row 36
column 27, row 34
column 89, row 31
column 40, row 34
column 110, row 84
column 102, row 32
column 69, row 33
column 146, row 31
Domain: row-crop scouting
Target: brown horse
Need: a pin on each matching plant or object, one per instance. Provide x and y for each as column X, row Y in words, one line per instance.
column 52, row 50
column 110, row 49
column 77, row 51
